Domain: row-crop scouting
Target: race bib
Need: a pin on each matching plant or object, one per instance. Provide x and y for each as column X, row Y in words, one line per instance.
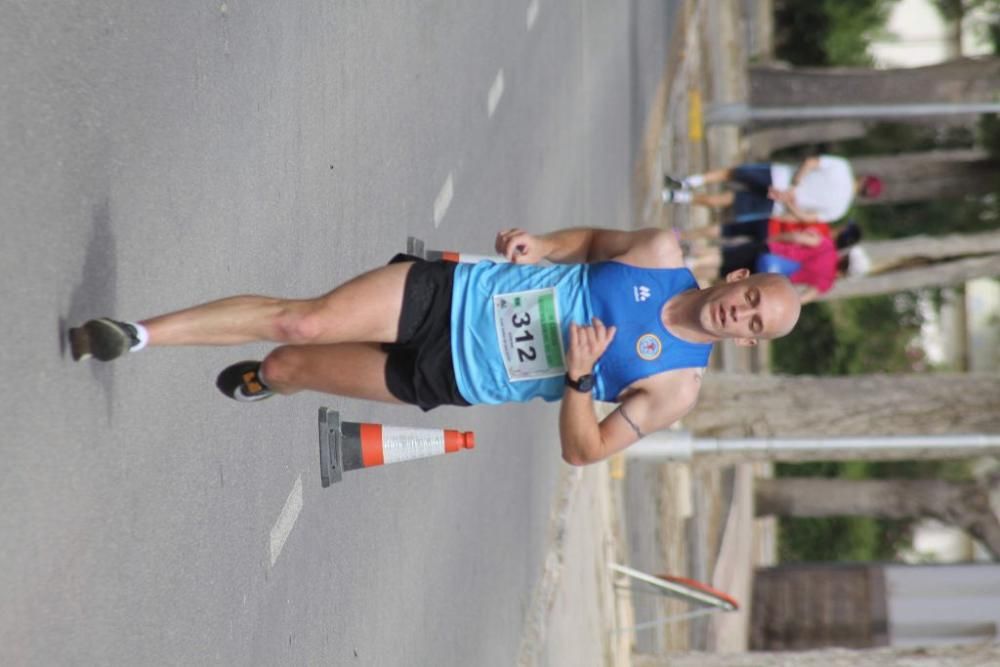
column 528, row 333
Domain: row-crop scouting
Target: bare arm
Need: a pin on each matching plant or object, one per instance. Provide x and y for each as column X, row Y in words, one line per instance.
column 652, row 408
column 809, row 239
column 579, row 433
column 809, row 164
column 642, row 247
column 788, row 199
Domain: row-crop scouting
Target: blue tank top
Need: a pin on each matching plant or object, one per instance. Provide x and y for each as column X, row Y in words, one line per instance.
column 627, row 297
column 632, row 299
column 479, row 367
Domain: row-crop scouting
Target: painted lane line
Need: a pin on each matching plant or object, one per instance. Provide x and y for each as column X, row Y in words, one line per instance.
column 532, row 14
column 443, row 200
column 496, row 92
column 286, row 520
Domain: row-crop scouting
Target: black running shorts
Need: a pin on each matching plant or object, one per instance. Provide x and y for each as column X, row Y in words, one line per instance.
column 752, row 202
column 741, row 256
column 755, row 229
column 419, row 369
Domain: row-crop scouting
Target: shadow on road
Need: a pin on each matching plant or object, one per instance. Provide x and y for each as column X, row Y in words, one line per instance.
column 96, row 294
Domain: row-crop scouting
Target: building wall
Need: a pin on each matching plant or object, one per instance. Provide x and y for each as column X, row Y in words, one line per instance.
column 942, row 604
column 808, row 606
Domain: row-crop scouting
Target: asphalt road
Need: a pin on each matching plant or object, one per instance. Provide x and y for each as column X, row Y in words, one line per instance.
column 158, row 154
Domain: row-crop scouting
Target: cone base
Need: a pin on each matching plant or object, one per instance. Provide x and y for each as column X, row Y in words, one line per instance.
column 331, row 465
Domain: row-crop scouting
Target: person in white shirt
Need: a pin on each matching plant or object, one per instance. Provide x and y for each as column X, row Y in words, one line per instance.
column 821, row 189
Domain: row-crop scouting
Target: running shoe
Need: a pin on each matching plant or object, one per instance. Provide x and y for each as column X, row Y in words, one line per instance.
column 671, row 183
column 241, row 382
column 104, row 339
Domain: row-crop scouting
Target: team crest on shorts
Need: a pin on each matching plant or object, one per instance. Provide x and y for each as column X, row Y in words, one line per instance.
column 648, row 347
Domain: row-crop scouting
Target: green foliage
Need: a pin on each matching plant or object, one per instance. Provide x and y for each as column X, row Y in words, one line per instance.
column 969, row 214
column 855, row 23
column 832, row 32
column 864, row 335
column 800, row 28
column 806, row 350
column 889, row 137
column 875, row 333
column 842, row 538
column 831, row 539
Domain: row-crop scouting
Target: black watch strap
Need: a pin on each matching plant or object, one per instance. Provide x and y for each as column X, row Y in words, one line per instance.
column 584, row 384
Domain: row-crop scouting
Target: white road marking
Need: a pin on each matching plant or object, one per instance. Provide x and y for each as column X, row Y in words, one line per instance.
column 443, row 200
column 496, row 92
column 286, row 520
column 532, row 14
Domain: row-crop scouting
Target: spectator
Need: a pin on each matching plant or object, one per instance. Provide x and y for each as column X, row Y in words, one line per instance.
column 812, row 261
column 821, row 189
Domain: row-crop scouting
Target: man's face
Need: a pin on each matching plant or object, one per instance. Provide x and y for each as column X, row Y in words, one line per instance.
column 746, row 308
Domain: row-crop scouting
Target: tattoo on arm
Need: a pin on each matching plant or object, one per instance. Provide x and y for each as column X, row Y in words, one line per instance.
column 621, row 410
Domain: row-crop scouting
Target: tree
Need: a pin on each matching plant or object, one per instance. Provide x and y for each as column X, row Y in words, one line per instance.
column 766, row 141
column 960, row 80
column 965, row 505
column 953, row 12
column 926, row 175
column 961, row 14
column 807, row 32
column 923, row 261
column 733, row 405
column 937, row 274
column 921, row 249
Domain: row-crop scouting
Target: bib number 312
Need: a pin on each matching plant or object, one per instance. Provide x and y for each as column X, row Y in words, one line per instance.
column 528, row 333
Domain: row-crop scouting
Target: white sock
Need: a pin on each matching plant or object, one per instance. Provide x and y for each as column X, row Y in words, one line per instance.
column 142, row 333
column 260, row 376
column 695, row 181
column 677, row 197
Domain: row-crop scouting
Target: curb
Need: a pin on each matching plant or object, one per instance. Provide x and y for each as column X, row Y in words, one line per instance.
column 536, row 620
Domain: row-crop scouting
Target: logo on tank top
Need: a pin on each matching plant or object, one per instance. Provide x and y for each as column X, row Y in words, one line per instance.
column 640, row 292
column 648, row 347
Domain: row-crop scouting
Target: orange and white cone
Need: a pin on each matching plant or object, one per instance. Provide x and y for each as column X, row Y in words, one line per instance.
column 347, row 446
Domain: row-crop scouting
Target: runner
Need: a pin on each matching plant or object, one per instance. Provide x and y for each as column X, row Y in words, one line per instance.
column 615, row 317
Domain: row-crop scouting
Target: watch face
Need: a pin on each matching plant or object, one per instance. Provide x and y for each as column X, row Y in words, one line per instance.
column 584, row 383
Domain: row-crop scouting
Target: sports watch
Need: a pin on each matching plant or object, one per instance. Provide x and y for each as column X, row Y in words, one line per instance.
column 584, row 385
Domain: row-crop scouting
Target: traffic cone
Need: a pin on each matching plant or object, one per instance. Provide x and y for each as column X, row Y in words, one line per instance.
column 415, row 247
column 347, row 446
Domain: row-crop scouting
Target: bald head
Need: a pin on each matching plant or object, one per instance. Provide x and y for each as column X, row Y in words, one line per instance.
column 781, row 301
column 746, row 308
